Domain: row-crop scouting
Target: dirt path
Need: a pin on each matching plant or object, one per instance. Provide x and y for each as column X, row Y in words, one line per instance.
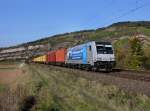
column 9, row 73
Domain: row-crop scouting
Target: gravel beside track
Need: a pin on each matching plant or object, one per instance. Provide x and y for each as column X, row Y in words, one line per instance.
column 134, row 75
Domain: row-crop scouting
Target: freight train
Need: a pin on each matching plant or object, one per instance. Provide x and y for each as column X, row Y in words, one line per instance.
column 91, row 56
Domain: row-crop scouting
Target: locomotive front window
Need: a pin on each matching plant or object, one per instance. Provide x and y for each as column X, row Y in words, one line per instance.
column 109, row 50
column 100, row 49
column 104, row 50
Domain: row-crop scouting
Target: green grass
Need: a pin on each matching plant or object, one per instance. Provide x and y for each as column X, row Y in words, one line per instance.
column 61, row 90
column 120, row 43
column 7, row 68
column 2, row 88
column 144, row 30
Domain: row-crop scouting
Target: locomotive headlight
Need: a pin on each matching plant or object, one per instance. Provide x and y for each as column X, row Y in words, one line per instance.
column 99, row 59
column 112, row 59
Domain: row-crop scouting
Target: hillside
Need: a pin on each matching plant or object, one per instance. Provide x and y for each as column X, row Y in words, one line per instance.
column 110, row 33
column 128, row 38
column 115, row 30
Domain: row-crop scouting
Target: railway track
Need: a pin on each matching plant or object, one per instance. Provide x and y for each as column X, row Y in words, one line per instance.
column 127, row 74
column 130, row 74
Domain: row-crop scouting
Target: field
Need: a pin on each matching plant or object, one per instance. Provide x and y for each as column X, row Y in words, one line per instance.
column 8, row 73
column 35, row 87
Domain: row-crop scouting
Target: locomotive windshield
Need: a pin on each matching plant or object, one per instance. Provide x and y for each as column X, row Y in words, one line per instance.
column 104, row 49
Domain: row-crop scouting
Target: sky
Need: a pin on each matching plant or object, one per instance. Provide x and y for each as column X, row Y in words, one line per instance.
column 27, row 20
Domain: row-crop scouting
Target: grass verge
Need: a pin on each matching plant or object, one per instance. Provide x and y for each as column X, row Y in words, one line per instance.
column 45, row 88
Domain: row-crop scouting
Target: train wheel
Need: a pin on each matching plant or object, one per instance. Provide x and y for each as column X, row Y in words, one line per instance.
column 95, row 69
column 108, row 69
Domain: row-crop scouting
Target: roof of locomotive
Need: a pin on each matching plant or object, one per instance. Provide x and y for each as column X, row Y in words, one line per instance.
column 104, row 43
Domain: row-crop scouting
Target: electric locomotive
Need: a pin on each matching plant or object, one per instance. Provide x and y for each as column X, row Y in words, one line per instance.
column 95, row 55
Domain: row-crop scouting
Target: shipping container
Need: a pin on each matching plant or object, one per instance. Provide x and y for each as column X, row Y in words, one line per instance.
column 61, row 55
column 51, row 57
column 41, row 59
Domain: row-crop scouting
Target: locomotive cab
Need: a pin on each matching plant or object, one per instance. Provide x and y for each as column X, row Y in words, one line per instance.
column 104, row 58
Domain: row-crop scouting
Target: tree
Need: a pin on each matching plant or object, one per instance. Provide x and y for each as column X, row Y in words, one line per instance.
column 137, row 55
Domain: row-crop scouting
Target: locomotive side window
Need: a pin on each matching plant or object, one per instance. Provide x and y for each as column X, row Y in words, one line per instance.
column 69, row 56
column 109, row 50
column 90, row 48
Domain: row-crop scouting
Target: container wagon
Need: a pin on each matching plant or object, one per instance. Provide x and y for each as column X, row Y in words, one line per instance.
column 40, row 59
column 51, row 57
column 60, row 56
